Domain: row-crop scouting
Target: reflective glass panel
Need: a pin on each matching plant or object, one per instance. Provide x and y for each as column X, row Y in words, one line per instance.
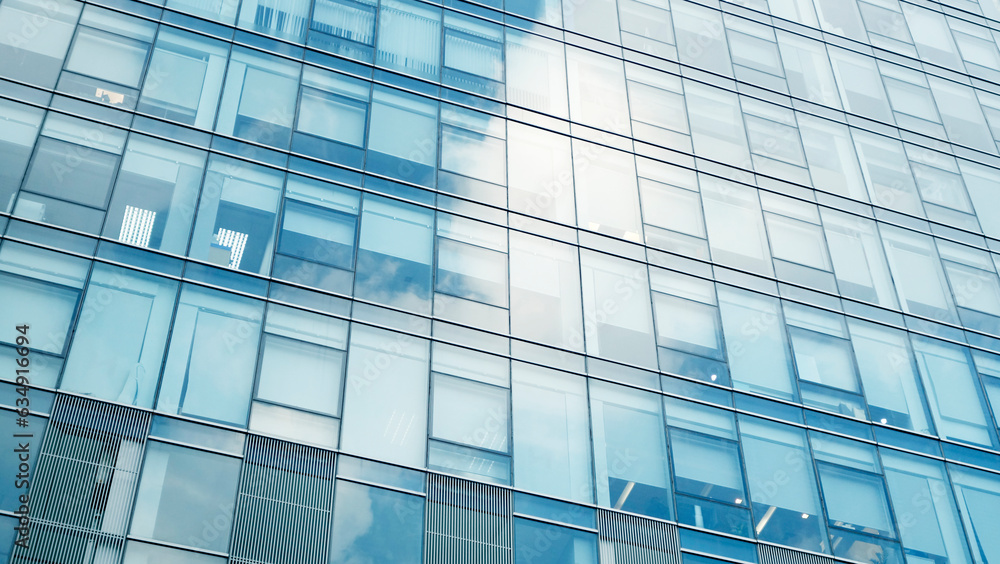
column 212, row 356
column 786, row 504
column 630, row 450
column 36, row 57
column 395, row 254
column 120, row 337
column 409, row 38
column 333, row 112
column 545, row 291
column 392, row 530
column 402, row 136
column 556, row 462
column 978, row 496
column 258, row 102
column 756, row 343
column 302, row 361
column 928, row 521
column 541, row 542
column 385, row 398
column 153, row 202
column 186, row 497
column 236, row 215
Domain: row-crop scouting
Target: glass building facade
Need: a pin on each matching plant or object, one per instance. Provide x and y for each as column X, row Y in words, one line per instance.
column 500, row 281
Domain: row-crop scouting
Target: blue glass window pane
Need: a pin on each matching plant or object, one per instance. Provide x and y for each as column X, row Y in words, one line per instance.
column 393, row 531
column 112, row 48
column 471, row 277
column 302, row 362
column 258, row 103
column 184, row 78
column 553, row 510
column 473, row 413
column 143, row 553
column 858, row 258
column 928, row 520
column 992, row 385
column 212, row 356
column 223, row 11
column 21, row 125
column 47, row 308
column 855, row 500
column 236, row 215
column 919, row 278
column 539, row 174
column 7, row 537
column 688, row 328
column 395, row 254
column 472, row 272
column 953, row 393
column 865, row 548
column 285, row 19
column 44, row 295
column 154, row 196
column 316, row 234
column 92, row 177
column 71, row 148
column 688, row 325
column 409, row 38
column 630, row 451
column 686, row 388
column 473, row 152
column 473, row 55
column 380, row 473
column 558, row 461
column 186, row 497
column 385, row 396
column 541, row 542
column 471, row 463
column 546, row 11
column 316, row 245
column 333, row 112
column 759, row 359
column 545, row 291
column 598, row 96
column 708, row 467
column 827, row 376
column 345, row 27
column 980, row 180
column 716, row 122
column 36, row 58
column 594, row 19
column 779, row 470
column 709, row 470
column 889, row 376
column 120, row 338
column 536, row 75
column 978, row 496
column 301, row 374
column 403, row 136
column 715, row 516
column 42, row 288
column 607, row 195
column 197, row 434
column 974, row 283
column 656, row 101
column 618, row 317
column 698, row 559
